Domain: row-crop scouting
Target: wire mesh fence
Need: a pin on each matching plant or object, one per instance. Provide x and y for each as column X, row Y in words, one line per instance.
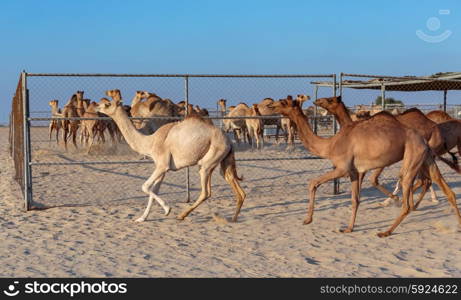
column 16, row 133
column 109, row 171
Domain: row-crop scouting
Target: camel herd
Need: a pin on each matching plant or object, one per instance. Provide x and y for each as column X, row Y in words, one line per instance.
column 372, row 142
column 144, row 105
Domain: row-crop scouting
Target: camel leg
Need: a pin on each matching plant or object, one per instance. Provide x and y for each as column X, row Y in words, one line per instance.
column 57, row 135
column 204, row 174
column 74, row 135
column 50, row 129
column 375, row 182
column 437, row 178
column 406, row 191
column 424, row 186
column 355, row 198
column 154, row 181
column 261, row 135
column 410, row 169
column 64, row 136
column 433, row 195
column 314, row 184
column 361, row 176
column 91, row 141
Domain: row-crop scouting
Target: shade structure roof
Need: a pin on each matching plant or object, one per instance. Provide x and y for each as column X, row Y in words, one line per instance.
column 435, row 82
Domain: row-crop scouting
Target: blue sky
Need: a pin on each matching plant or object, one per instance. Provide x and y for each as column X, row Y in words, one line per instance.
column 224, row 37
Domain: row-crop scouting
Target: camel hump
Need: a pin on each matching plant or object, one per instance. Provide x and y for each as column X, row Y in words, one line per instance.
column 412, row 110
column 195, row 116
column 383, row 114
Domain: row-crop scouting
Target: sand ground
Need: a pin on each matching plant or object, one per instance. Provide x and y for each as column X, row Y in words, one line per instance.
column 90, row 231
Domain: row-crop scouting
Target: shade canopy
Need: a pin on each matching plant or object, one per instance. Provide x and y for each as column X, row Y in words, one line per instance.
column 436, row 82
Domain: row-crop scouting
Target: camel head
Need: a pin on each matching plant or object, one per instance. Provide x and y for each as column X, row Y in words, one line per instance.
column 79, row 95
column 53, row 103
column 285, row 106
column 331, row 104
column 114, row 94
column 181, row 104
column 141, row 95
column 302, row 99
column 107, row 106
column 222, row 104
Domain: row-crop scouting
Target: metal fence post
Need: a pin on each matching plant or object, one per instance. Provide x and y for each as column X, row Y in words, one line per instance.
column 383, row 97
column 445, row 100
column 316, row 89
column 27, row 154
column 186, row 95
column 335, row 129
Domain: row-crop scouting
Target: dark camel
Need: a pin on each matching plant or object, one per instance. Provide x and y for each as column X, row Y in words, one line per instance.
column 412, row 118
column 362, row 146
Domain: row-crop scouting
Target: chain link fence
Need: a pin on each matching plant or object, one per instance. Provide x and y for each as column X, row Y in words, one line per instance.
column 110, row 172
column 17, row 133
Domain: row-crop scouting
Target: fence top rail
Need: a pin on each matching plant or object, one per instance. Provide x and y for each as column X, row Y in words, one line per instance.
column 449, row 76
column 155, row 118
column 179, row 75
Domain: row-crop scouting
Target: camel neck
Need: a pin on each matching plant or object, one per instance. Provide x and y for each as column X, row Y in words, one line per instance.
column 54, row 110
column 136, row 140
column 342, row 115
column 315, row 144
column 135, row 100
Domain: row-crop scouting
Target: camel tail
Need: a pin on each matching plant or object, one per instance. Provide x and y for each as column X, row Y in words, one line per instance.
column 228, row 167
column 452, row 164
column 229, row 171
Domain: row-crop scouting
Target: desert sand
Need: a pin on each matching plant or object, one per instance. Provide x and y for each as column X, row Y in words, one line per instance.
column 89, row 229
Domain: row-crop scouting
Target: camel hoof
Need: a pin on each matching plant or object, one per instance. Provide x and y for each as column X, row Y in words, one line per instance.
column 383, row 234
column 307, row 221
column 180, row 217
column 346, row 230
column 435, row 201
column 167, row 211
column 139, row 220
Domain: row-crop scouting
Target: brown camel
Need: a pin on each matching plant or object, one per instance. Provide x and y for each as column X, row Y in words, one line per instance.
column 70, row 127
column 255, row 127
column 175, row 146
column 90, row 129
column 238, row 125
column 450, row 126
column 412, row 118
column 55, row 124
column 265, row 110
column 289, row 126
column 366, row 145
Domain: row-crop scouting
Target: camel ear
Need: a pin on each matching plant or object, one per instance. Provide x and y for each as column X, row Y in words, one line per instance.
column 339, row 99
column 289, row 97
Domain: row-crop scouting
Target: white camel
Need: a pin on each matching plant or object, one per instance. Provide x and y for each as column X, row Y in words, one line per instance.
column 175, row 146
